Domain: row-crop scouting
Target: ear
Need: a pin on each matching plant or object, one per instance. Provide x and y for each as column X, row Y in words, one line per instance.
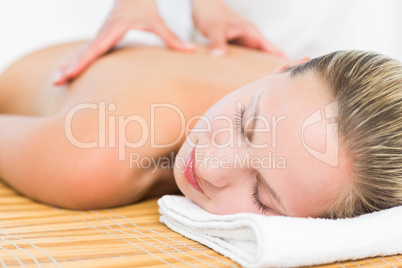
column 290, row 65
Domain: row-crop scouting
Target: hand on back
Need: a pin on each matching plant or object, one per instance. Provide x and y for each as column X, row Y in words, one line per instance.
column 215, row 20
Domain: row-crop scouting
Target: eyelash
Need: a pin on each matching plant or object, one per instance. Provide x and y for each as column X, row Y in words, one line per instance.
column 239, row 125
column 257, row 201
column 239, row 122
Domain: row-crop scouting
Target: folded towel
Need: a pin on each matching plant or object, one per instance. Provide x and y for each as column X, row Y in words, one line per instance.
column 254, row 240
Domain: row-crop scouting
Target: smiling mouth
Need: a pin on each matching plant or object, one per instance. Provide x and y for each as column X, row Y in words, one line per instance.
column 189, row 173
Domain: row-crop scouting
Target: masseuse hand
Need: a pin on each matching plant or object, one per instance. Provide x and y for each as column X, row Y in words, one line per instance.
column 213, row 18
column 125, row 15
column 220, row 24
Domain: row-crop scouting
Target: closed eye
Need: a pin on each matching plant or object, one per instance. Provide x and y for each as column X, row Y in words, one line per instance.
column 257, row 201
column 238, row 120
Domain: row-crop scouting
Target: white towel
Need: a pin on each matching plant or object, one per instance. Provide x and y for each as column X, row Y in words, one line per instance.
column 277, row 241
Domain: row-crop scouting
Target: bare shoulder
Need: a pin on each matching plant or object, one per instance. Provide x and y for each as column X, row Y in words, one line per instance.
column 24, row 80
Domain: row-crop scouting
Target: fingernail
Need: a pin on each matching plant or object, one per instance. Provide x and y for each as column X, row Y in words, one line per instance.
column 217, row 52
column 56, row 76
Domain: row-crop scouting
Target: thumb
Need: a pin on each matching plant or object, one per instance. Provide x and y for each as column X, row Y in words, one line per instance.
column 270, row 48
column 218, row 45
column 171, row 40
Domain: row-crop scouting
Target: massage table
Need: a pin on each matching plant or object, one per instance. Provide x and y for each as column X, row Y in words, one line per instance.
column 37, row 235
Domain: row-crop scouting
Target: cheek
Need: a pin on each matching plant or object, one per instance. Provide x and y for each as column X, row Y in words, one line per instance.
column 306, row 183
column 217, row 128
column 231, row 200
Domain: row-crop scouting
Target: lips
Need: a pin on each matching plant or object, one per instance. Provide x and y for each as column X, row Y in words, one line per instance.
column 189, row 173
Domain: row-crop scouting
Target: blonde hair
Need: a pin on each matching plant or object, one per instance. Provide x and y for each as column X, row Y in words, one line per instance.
column 368, row 88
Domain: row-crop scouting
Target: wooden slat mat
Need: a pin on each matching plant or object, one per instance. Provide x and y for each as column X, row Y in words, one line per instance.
column 37, row 235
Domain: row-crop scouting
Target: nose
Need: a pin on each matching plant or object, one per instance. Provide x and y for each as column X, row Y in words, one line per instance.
column 219, row 167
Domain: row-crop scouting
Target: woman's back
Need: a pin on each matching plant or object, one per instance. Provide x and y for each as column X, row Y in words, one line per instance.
column 128, row 74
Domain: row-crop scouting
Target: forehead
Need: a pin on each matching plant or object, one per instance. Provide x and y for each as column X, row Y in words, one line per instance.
column 306, row 88
column 306, row 138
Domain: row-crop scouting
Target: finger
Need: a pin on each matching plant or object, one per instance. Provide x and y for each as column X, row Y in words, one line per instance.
column 272, row 49
column 171, row 40
column 107, row 37
column 68, row 69
column 218, row 44
column 60, row 77
column 251, row 37
column 256, row 40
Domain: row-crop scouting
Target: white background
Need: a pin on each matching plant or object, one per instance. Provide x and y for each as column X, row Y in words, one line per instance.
column 299, row 27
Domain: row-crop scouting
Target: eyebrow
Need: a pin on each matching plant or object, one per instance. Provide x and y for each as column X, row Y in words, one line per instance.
column 265, row 182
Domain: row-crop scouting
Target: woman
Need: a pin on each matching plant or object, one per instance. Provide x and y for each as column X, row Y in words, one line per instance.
column 270, row 147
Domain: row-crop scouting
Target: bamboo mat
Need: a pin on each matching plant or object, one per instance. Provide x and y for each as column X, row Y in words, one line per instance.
column 37, row 235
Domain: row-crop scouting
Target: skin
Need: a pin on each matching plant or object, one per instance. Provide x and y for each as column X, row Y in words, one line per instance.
column 34, row 130
column 305, row 184
column 33, row 114
column 213, row 18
